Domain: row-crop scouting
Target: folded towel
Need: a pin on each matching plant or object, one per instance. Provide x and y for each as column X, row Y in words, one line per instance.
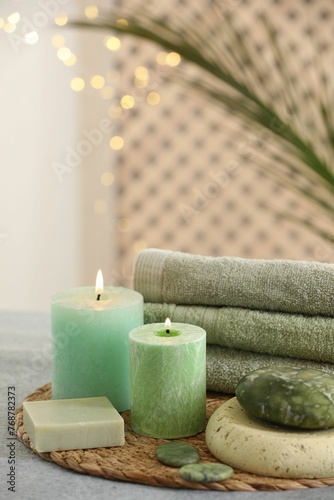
column 225, row 366
column 283, row 334
column 272, row 285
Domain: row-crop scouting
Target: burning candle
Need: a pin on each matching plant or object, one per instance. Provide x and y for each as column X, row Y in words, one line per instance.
column 90, row 331
column 168, row 380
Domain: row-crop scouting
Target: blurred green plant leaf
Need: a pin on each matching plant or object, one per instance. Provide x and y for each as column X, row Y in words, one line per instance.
column 231, row 73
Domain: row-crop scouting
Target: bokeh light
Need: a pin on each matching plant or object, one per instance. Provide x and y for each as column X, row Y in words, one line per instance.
column 77, row 84
column 139, row 245
column 14, row 18
column 31, row 38
column 153, row 98
column 97, row 82
column 91, row 11
column 61, row 19
column 173, row 59
column 63, row 53
column 71, row 60
column 58, row 41
column 127, row 101
column 116, row 142
column 124, row 224
column 107, row 179
column 112, row 42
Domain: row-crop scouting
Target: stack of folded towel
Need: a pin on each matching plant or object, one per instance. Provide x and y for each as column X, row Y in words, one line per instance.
column 255, row 312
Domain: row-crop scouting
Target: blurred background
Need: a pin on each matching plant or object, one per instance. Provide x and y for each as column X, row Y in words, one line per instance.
column 102, row 156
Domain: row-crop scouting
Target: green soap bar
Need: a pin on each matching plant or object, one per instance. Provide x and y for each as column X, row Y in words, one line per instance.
column 206, row 472
column 176, row 454
column 297, row 397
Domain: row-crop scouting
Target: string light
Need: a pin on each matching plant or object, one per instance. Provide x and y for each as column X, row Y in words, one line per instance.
column 127, row 101
column 77, row 84
column 124, row 225
column 141, row 77
column 140, row 83
column 61, row 19
column 139, row 245
column 116, row 142
column 141, row 72
column 173, row 59
column 58, row 41
column 161, row 58
column 71, row 60
column 153, row 98
column 91, row 11
column 115, row 111
column 97, row 82
column 9, row 27
column 122, row 22
column 31, row 38
column 63, row 53
column 170, row 58
column 107, row 179
column 112, row 43
column 14, row 18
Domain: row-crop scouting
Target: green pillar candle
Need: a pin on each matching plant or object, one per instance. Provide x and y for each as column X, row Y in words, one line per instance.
column 168, row 380
column 91, row 343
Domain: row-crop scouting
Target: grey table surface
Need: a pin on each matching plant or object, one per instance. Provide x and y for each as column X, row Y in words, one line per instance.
column 25, row 363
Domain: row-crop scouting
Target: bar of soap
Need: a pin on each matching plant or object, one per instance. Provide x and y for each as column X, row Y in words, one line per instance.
column 243, row 442
column 70, row 424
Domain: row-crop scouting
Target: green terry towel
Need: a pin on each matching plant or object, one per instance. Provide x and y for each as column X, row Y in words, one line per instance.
column 278, row 334
column 226, row 366
column 272, row 285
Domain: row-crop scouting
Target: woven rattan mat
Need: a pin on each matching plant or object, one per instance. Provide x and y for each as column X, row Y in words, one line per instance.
column 136, row 462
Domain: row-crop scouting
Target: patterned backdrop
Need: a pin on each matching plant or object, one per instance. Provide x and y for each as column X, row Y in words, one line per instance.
column 173, row 150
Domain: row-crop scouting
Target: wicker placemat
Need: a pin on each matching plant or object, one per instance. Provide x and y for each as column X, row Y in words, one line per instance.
column 136, row 462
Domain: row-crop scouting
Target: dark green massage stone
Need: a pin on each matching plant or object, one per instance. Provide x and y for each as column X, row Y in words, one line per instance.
column 297, row 397
column 176, row 454
column 206, row 472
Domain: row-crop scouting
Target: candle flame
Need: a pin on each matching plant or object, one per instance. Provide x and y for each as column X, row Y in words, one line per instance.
column 99, row 283
column 168, row 324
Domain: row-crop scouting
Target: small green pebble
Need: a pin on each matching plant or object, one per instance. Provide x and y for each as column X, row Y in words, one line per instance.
column 176, row 454
column 206, row 472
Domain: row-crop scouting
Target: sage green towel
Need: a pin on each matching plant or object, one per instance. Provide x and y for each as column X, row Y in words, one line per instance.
column 282, row 334
column 225, row 366
column 272, row 285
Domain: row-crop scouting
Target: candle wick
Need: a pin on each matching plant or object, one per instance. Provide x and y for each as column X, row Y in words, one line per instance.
column 167, row 330
column 98, row 296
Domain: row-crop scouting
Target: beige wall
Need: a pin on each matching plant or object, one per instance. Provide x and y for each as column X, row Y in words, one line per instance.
column 56, row 223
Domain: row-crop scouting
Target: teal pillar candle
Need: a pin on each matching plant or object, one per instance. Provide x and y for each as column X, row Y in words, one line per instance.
column 91, row 343
column 168, row 380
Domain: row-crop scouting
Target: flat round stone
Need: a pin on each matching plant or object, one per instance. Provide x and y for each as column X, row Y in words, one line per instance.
column 176, row 454
column 206, row 472
column 251, row 445
column 283, row 395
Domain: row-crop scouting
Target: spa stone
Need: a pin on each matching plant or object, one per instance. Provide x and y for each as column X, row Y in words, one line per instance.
column 297, row 397
column 176, row 454
column 206, row 472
